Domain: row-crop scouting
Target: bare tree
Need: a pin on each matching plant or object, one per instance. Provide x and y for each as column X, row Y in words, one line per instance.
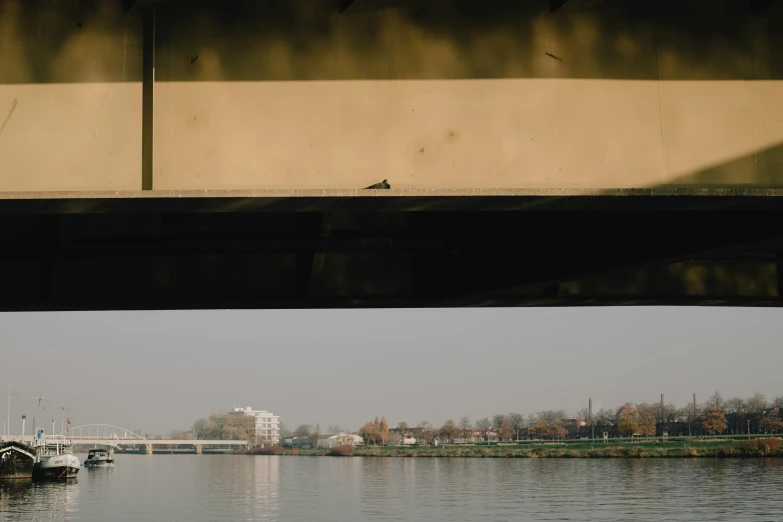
column 335, row 428
column 395, row 438
column 427, row 435
column 304, row 430
column 315, row 435
column 552, row 416
column 403, row 428
column 605, row 418
column 498, row 421
column 756, row 405
column 716, row 401
column 669, row 413
column 285, row 433
column 448, row 431
column 484, row 426
column 201, row 428
column 735, row 406
column 465, row 429
column 517, row 421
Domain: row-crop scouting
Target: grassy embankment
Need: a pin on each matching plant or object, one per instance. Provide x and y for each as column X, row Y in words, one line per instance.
column 724, row 448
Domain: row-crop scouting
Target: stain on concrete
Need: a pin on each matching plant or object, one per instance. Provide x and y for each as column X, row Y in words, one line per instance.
column 10, row 112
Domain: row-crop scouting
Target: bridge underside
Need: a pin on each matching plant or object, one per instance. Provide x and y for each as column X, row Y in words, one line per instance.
column 367, row 249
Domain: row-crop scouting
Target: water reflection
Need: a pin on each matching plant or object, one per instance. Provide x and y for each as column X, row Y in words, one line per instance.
column 237, row 487
column 245, row 486
column 266, row 487
column 28, row 500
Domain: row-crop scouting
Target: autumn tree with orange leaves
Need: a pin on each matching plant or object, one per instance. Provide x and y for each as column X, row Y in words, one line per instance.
column 540, row 429
column 772, row 422
column 375, row 432
column 627, row 420
column 713, row 421
column 559, row 431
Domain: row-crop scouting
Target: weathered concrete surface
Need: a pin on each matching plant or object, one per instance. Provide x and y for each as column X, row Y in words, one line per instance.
column 625, row 154
column 72, row 72
column 429, row 95
column 468, row 134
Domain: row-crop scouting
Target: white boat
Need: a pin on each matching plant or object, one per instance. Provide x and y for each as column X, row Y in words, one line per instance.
column 54, row 458
column 98, row 458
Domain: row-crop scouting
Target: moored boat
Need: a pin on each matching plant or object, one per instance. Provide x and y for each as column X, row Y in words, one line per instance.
column 54, row 459
column 16, row 461
column 98, row 458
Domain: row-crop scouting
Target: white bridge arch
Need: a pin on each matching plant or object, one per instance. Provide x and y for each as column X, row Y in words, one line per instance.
column 111, row 435
column 104, row 432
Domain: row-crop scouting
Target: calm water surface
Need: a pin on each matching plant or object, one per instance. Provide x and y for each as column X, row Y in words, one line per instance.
column 233, row 487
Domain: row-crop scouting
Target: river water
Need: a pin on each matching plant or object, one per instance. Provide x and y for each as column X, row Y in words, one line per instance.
column 237, row 487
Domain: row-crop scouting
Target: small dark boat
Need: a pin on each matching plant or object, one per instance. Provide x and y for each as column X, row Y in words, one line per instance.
column 16, row 461
column 99, row 458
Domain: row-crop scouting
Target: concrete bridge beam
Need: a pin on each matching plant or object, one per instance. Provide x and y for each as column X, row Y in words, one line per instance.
column 573, row 5
column 764, row 6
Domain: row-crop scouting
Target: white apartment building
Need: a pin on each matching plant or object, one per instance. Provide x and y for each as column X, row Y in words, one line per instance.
column 267, row 424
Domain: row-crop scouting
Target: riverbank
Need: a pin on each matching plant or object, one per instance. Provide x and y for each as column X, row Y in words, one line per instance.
column 693, row 449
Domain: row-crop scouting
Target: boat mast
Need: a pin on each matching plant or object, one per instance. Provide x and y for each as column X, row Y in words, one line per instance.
column 39, row 398
column 8, row 409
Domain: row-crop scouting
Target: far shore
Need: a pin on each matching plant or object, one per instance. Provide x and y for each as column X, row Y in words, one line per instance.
column 707, row 448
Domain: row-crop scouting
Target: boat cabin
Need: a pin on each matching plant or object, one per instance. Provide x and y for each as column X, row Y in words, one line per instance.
column 97, row 454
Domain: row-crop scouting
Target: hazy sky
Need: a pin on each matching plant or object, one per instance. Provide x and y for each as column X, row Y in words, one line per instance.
column 159, row 371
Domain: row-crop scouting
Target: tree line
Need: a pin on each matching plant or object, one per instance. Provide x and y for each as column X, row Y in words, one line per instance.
column 717, row 415
column 225, row 426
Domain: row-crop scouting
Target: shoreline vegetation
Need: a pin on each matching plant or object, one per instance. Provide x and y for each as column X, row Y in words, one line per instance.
column 704, row 448
column 736, row 427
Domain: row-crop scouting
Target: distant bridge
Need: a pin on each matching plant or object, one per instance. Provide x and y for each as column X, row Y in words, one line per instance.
column 117, row 436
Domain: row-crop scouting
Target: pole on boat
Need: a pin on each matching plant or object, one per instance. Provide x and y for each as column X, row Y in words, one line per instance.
column 8, row 409
column 62, row 418
column 39, row 398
